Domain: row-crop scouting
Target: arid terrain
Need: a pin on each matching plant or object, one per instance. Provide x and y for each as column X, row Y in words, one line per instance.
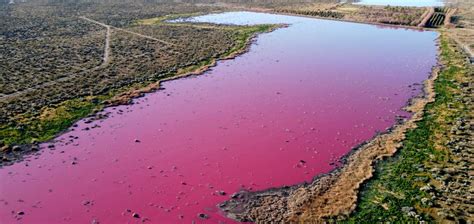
column 61, row 62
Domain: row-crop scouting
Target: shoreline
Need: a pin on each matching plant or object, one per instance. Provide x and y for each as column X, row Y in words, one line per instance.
column 124, row 98
column 334, row 193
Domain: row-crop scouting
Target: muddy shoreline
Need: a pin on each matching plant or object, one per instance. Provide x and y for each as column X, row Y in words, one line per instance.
column 334, row 194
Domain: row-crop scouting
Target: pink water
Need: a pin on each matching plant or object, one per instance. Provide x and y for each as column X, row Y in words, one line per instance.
column 309, row 92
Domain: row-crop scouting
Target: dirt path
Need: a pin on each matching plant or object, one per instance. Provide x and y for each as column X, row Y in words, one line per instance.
column 144, row 36
column 426, row 16
column 107, row 39
column 449, row 14
column 107, row 47
column 126, row 31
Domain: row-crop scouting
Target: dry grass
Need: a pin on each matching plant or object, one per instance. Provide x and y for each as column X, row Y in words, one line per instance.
column 358, row 13
column 463, row 33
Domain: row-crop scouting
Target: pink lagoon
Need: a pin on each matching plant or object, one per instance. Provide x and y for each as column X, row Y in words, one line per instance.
column 282, row 113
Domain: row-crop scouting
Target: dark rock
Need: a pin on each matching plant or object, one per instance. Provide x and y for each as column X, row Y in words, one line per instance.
column 203, row 216
column 86, row 202
column 135, row 215
column 236, row 195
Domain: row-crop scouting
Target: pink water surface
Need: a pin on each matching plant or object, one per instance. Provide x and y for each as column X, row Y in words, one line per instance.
column 308, row 92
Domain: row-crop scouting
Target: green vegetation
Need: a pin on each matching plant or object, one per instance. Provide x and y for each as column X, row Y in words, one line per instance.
column 245, row 33
column 404, row 187
column 32, row 129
